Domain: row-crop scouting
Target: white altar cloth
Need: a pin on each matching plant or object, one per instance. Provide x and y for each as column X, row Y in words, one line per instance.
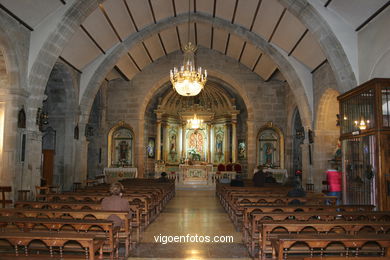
column 120, row 173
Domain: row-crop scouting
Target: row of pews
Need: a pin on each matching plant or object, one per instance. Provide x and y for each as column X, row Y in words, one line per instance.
column 312, row 227
column 72, row 224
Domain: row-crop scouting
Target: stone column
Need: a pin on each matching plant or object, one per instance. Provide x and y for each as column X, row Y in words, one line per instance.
column 183, row 141
column 251, row 147
column 165, row 142
column 209, row 143
column 81, row 164
column 158, row 141
column 11, row 167
column 306, row 167
column 140, row 152
column 32, row 173
column 226, row 143
column 234, row 141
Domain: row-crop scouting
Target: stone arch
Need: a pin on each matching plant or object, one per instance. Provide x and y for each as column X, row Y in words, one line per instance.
column 9, row 64
column 328, row 41
column 326, row 135
column 281, row 141
column 118, row 126
column 327, row 110
column 92, row 81
column 381, row 66
column 61, row 107
column 51, row 49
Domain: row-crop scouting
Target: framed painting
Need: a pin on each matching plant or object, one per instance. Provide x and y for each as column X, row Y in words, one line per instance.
column 151, row 147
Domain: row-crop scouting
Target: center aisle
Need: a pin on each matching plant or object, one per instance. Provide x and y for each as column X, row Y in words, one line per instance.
column 193, row 213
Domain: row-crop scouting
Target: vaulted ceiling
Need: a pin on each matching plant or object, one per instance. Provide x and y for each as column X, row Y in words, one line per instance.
column 115, row 20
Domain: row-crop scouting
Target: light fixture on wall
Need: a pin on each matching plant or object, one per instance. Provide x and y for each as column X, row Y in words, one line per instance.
column 187, row 80
column 195, row 123
column 42, row 119
column 362, row 124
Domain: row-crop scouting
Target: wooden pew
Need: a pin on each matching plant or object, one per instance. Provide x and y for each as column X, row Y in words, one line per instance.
column 77, row 214
column 37, row 224
column 282, row 243
column 90, row 242
column 5, row 190
column 238, row 216
column 316, row 226
column 251, row 230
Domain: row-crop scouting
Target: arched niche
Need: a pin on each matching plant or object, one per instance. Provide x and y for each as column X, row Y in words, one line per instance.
column 270, row 146
column 121, row 146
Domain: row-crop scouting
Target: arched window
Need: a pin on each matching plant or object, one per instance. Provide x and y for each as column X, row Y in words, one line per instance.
column 121, row 145
column 270, row 151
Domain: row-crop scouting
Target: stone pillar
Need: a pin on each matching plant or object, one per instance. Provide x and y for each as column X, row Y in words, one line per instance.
column 32, row 173
column 306, row 166
column 209, row 143
column 234, row 141
column 165, row 142
column 81, row 165
column 158, row 141
column 251, row 147
column 226, row 143
column 140, row 151
column 11, row 167
column 183, row 141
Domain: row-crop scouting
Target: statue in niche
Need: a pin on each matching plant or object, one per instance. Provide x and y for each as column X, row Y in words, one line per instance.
column 173, row 144
column 123, row 150
column 219, row 144
column 268, row 155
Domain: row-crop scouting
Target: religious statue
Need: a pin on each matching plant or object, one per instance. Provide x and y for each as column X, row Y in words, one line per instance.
column 241, row 149
column 219, row 144
column 123, row 149
column 173, row 144
column 268, row 155
column 150, row 147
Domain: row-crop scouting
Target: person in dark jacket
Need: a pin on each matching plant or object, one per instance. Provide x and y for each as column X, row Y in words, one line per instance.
column 259, row 177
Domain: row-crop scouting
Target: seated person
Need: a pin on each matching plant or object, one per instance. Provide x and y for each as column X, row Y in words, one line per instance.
column 269, row 178
column 298, row 191
column 163, row 177
column 259, row 177
column 115, row 202
column 237, row 182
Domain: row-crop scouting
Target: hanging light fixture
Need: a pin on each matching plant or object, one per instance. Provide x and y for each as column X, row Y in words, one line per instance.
column 195, row 123
column 362, row 124
column 187, row 80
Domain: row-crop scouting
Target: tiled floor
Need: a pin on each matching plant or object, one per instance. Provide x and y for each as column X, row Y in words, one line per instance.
column 193, row 213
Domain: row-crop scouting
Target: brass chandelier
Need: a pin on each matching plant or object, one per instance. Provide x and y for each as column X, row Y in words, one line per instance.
column 188, row 80
column 195, row 123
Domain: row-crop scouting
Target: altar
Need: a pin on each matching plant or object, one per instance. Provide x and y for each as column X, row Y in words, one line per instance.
column 115, row 174
column 195, row 174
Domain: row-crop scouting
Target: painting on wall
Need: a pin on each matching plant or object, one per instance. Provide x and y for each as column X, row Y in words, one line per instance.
column 151, row 147
column 172, row 148
column 219, row 146
column 196, row 142
column 241, row 149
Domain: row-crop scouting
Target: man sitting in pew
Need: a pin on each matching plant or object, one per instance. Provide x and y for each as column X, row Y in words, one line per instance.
column 116, row 203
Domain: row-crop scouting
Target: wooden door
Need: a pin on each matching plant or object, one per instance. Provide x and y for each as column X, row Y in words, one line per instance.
column 48, row 166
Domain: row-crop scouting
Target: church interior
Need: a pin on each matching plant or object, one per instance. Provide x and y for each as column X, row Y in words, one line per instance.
column 264, row 124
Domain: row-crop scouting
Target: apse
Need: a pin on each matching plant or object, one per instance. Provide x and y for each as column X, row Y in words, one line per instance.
column 222, row 113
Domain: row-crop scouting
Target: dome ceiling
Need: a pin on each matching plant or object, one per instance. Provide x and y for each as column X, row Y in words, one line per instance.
column 115, row 20
column 212, row 99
